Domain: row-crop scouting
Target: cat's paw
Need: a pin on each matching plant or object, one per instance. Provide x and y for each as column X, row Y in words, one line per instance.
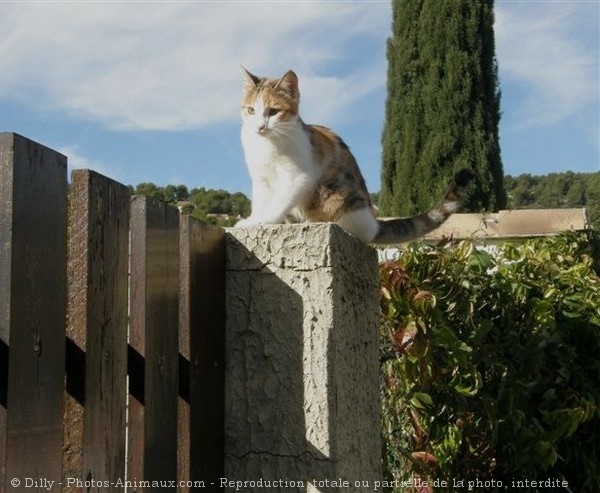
column 244, row 223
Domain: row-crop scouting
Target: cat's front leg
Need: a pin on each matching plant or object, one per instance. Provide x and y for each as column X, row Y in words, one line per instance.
column 260, row 198
column 255, row 219
column 272, row 205
column 263, row 215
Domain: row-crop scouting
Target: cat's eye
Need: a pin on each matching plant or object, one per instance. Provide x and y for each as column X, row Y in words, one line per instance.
column 250, row 110
column 273, row 111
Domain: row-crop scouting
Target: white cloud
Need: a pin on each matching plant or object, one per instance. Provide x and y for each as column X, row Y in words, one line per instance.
column 171, row 66
column 550, row 50
column 77, row 160
column 175, row 65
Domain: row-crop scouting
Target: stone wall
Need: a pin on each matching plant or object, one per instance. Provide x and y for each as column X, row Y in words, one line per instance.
column 302, row 392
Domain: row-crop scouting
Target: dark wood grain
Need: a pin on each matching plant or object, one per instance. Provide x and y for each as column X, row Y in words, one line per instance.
column 98, row 317
column 112, row 327
column 202, row 340
column 33, row 237
column 155, row 312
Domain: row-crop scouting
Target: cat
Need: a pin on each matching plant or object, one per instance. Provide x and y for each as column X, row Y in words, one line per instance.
column 306, row 173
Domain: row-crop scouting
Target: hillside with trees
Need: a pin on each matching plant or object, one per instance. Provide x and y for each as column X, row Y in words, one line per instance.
column 552, row 191
column 213, row 206
column 555, row 191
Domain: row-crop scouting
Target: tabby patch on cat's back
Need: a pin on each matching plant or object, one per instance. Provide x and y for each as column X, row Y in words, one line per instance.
column 304, row 172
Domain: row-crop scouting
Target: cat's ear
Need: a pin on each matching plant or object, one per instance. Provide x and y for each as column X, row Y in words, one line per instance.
column 289, row 83
column 251, row 81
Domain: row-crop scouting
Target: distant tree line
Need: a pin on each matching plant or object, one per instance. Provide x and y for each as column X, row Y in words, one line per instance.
column 214, row 206
column 556, row 190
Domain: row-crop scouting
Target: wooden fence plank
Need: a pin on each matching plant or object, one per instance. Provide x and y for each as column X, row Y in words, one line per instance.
column 183, row 404
column 136, row 349
column 202, row 338
column 175, row 355
column 3, row 391
column 98, row 316
column 33, row 236
column 3, row 387
column 207, row 349
column 155, row 277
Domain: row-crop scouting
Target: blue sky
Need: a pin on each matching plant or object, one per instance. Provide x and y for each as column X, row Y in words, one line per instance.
column 150, row 91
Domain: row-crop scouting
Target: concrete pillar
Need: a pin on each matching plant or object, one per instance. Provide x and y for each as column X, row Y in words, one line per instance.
column 302, row 408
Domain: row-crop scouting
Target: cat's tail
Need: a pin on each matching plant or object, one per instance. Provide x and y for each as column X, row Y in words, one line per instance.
column 394, row 231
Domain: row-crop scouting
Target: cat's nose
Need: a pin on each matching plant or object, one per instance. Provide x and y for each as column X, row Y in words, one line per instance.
column 262, row 128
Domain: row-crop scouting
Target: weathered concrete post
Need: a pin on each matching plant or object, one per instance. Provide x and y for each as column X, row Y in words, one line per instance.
column 302, row 394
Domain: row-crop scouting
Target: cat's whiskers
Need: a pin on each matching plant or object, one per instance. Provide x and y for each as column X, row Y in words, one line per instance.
column 284, row 131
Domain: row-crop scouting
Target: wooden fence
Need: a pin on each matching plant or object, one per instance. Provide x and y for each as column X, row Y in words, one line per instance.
column 111, row 334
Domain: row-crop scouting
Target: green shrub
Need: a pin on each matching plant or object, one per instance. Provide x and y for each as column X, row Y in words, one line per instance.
column 491, row 363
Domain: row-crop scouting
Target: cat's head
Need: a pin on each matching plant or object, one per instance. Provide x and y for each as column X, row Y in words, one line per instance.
column 269, row 105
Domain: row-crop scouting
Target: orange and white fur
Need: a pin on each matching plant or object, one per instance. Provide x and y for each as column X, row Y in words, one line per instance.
column 306, row 172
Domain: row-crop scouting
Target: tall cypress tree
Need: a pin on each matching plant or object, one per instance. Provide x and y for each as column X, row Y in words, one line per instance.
column 443, row 105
